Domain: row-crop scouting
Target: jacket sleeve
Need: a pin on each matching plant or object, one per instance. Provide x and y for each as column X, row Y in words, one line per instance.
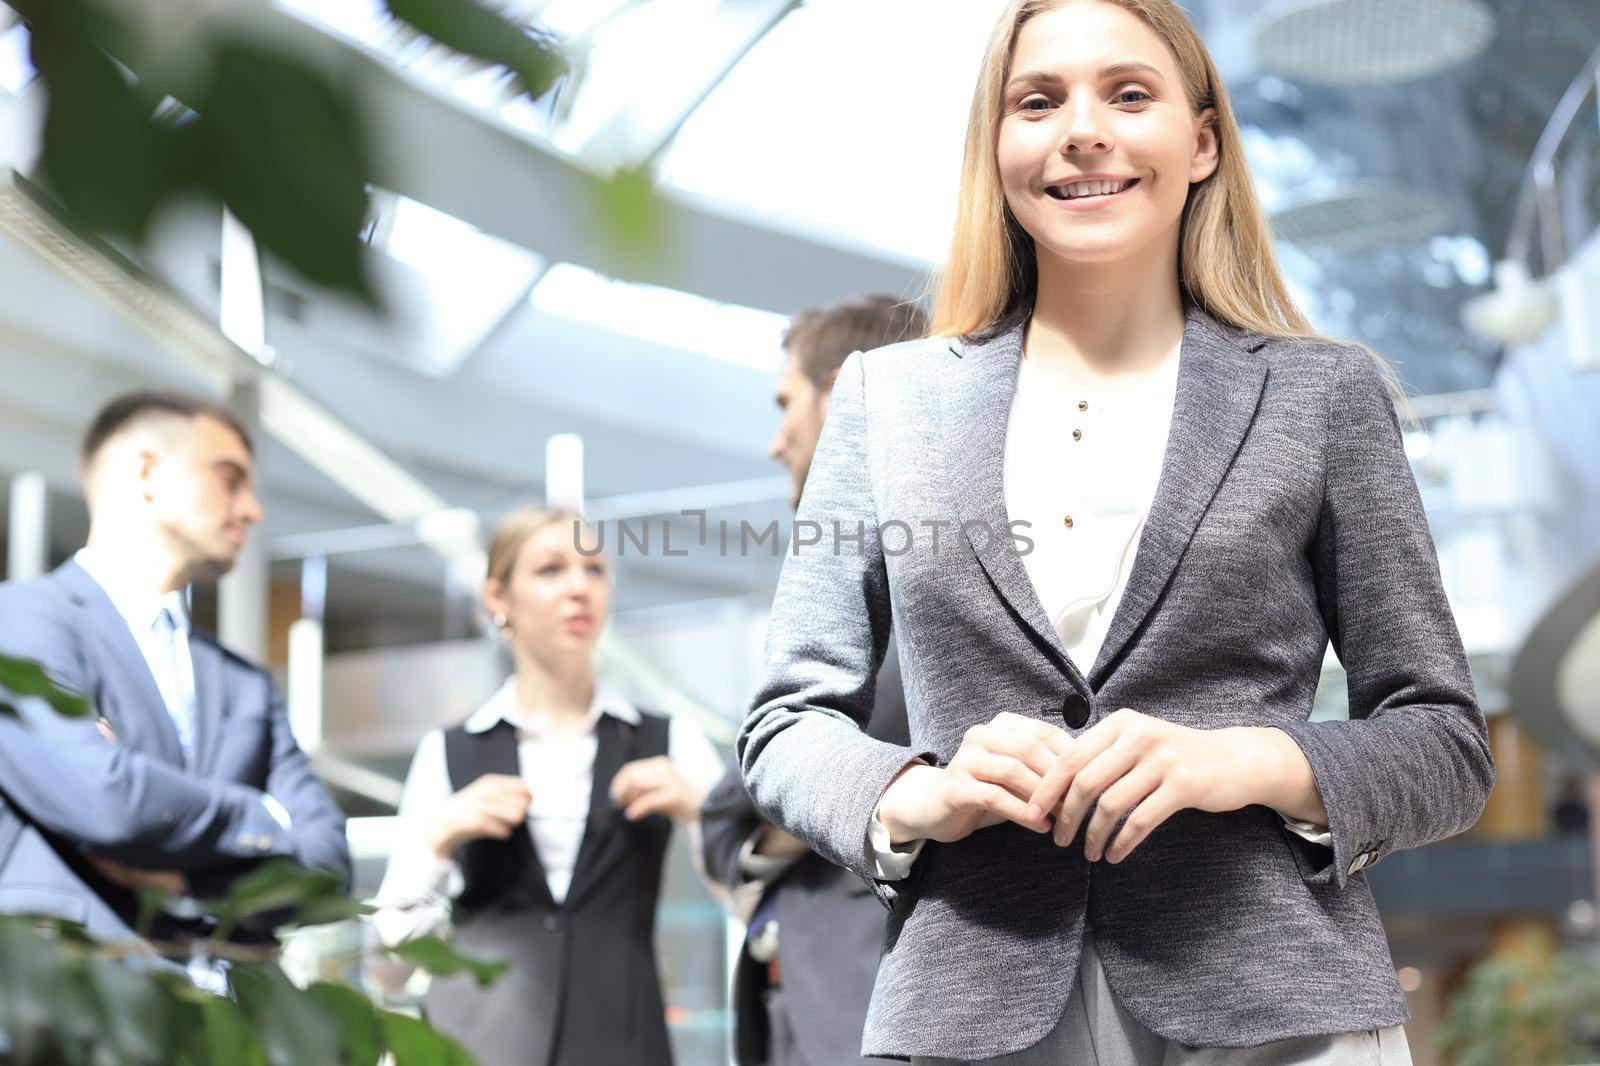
column 63, row 776
column 810, row 767
column 1412, row 764
column 727, row 819
column 314, row 827
column 317, row 830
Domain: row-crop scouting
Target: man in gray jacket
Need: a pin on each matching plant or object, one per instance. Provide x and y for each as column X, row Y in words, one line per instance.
column 810, row 1008
column 190, row 777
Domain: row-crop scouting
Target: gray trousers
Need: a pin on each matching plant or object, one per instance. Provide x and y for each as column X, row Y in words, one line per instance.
column 1095, row 1030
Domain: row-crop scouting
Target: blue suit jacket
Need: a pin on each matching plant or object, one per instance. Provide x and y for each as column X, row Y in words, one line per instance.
column 66, row 791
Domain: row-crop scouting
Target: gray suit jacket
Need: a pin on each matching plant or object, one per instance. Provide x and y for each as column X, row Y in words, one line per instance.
column 1286, row 514
column 64, row 790
column 830, row 926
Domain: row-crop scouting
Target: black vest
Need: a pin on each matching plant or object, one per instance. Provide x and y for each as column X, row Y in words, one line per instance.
column 582, row 989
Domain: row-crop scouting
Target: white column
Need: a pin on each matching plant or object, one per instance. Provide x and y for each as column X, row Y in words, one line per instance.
column 243, row 311
column 563, row 472
column 306, row 650
column 28, row 531
column 242, row 595
column 304, row 688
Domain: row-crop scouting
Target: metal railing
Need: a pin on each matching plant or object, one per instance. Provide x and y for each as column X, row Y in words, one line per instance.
column 1538, row 214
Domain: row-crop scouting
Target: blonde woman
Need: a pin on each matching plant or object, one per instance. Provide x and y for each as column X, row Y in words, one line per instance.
column 539, row 826
column 1115, row 508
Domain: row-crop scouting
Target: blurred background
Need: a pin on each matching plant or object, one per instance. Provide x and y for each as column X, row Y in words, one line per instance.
column 574, row 288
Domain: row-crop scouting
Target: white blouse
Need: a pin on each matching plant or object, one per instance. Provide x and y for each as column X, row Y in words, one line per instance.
column 1081, row 467
column 414, row 899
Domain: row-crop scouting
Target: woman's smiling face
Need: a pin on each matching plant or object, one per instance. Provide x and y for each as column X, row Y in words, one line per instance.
column 1094, row 94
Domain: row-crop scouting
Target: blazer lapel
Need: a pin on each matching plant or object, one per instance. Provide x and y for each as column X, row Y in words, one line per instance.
column 1219, row 388
column 209, row 702
column 977, row 407
column 152, row 731
column 601, row 836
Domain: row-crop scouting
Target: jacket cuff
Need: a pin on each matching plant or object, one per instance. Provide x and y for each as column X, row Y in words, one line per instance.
column 1333, row 756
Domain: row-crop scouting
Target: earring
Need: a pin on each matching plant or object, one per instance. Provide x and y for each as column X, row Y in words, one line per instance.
column 502, row 624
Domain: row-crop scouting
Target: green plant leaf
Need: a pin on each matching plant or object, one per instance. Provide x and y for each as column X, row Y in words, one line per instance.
column 442, row 959
column 42, row 1008
column 208, row 1028
column 28, row 679
column 330, row 910
column 280, row 142
column 292, row 1028
column 111, row 166
column 630, row 213
column 227, row 1034
column 360, row 1033
column 414, row 1044
column 133, row 1010
column 278, row 885
column 534, row 59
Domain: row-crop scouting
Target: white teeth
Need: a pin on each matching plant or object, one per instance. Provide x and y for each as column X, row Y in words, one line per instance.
column 1091, row 188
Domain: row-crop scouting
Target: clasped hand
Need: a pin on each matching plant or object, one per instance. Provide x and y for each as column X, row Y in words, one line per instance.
column 494, row 805
column 1041, row 777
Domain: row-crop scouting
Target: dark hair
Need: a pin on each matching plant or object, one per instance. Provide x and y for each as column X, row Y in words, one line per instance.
column 131, row 408
column 820, row 341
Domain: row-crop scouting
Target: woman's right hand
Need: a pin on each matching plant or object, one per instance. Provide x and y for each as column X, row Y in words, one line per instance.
column 492, row 806
column 990, row 780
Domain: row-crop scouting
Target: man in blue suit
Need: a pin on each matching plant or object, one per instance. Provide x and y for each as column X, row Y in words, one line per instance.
column 190, row 777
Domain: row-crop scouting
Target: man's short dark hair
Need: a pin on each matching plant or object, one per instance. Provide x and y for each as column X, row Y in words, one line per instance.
column 820, row 341
column 131, row 408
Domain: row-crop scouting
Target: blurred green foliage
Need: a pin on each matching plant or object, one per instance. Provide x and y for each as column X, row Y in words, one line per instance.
column 145, row 108
column 1524, row 1009
column 67, row 1000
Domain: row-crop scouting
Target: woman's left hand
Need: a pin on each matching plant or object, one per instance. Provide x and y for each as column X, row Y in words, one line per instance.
column 1154, row 768
column 654, row 786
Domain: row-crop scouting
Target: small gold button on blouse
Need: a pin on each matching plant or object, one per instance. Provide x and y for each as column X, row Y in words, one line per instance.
column 1083, row 405
column 1077, row 434
column 1067, row 521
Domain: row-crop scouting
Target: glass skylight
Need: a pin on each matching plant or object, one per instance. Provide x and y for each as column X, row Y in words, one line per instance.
column 741, row 335
column 470, row 279
column 848, row 117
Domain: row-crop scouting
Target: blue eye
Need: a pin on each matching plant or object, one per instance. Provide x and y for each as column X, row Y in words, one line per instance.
column 1133, row 92
column 1025, row 105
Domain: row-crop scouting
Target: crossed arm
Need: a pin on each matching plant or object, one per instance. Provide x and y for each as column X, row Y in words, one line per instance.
column 76, row 783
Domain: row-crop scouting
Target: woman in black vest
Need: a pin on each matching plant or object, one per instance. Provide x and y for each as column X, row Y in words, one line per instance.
column 538, row 827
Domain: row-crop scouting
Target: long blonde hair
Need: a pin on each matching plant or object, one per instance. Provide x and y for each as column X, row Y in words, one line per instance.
column 1226, row 262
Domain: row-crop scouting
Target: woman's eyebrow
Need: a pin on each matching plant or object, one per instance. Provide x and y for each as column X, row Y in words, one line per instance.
column 1118, row 70
column 1114, row 70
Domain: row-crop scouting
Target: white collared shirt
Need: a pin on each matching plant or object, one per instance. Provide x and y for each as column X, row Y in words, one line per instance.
column 141, row 612
column 414, row 899
column 1094, row 456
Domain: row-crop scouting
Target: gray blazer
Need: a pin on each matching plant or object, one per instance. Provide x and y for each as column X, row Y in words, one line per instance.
column 1286, row 514
column 65, row 791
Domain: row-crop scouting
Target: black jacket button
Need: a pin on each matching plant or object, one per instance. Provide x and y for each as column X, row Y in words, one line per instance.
column 1075, row 709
